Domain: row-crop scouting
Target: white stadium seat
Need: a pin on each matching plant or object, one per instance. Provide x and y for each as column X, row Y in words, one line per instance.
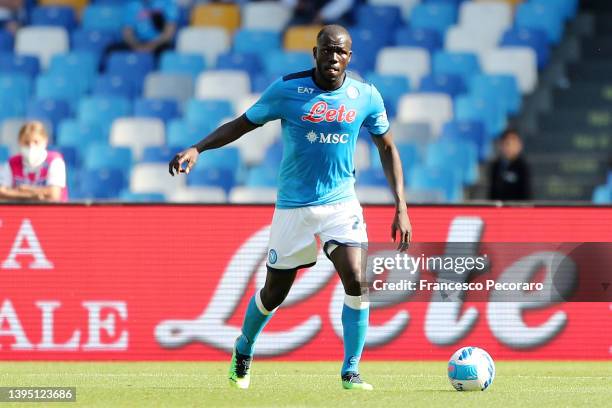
column 208, row 42
column 254, row 144
column 223, row 84
column 362, row 155
column 491, row 16
column 373, row 195
column 154, row 178
column 467, row 39
column 209, row 195
column 41, row 41
column 413, row 132
column 255, row 195
column 265, row 15
column 518, row 61
column 137, row 133
column 433, row 108
column 160, row 85
column 409, row 61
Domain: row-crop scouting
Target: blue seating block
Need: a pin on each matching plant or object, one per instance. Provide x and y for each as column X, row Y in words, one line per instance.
column 164, row 109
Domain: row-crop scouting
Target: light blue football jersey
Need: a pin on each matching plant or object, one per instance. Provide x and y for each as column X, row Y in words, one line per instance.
column 319, row 134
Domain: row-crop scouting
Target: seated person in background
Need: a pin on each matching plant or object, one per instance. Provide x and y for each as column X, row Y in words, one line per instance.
column 149, row 26
column 12, row 13
column 35, row 173
column 509, row 173
column 320, row 11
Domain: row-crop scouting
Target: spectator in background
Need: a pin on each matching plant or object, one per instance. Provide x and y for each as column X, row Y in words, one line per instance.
column 12, row 13
column 509, row 175
column 149, row 26
column 35, row 173
column 320, row 11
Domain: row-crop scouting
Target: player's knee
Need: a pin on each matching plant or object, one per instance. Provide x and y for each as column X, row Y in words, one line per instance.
column 273, row 297
column 353, row 285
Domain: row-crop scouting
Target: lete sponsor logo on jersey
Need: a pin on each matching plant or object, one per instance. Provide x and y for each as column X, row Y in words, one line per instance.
column 320, row 112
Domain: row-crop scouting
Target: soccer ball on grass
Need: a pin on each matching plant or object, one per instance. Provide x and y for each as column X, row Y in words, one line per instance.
column 471, row 369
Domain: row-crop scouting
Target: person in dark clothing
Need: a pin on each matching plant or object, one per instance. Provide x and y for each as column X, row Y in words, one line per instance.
column 509, row 173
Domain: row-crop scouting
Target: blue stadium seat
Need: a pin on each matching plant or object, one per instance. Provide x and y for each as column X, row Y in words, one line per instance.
column 103, row 110
column 52, row 111
column 159, row 154
column 131, row 197
column 80, row 66
column 10, row 107
column 22, row 64
column 502, row 88
column 264, row 175
column 58, row 87
column 458, row 157
column 280, row 63
column 246, row 41
column 113, row 85
column 103, row 17
column 445, row 83
column 54, row 16
column 435, row 178
column 6, row 41
column 123, row 62
column 4, row 153
column 181, row 133
column 409, row 154
column 225, row 158
column 391, row 87
column 567, row 8
column 544, row 16
column 164, row 109
column 208, row 111
column 435, row 16
column 382, row 20
column 372, row 177
column 261, row 81
column 94, row 41
column 102, row 156
column 17, row 87
column 464, row 64
column 366, row 44
column 470, row 131
column 180, row 63
column 602, row 195
column 205, row 176
column 80, row 135
column 248, row 62
column 70, row 154
column 533, row 38
column 101, row 183
column 474, row 107
column 429, row 39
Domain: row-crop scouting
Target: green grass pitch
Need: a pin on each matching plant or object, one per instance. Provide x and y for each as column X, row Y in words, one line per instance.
column 306, row 384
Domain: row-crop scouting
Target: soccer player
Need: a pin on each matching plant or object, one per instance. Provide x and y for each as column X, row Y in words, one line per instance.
column 322, row 110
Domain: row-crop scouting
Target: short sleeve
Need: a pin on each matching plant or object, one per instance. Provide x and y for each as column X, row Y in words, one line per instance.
column 57, row 173
column 6, row 176
column 376, row 122
column 267, row 108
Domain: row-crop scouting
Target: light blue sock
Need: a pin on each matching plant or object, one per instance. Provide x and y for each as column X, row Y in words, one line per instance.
column 355, row 318
column 255, row 319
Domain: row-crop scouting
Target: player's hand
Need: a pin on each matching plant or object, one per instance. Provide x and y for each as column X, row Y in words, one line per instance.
column 401, row 230
column 184, row 161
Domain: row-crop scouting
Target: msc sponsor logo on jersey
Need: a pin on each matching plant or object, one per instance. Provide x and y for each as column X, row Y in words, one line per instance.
column 320, row 112
column 331, row 138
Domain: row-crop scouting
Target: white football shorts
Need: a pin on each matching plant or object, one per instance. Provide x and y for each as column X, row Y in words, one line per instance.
column 294, row 231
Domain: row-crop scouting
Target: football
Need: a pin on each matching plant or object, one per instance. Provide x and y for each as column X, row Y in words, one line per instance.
column 471, row 369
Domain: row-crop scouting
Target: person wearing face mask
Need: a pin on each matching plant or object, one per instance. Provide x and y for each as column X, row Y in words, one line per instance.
column 35, row 174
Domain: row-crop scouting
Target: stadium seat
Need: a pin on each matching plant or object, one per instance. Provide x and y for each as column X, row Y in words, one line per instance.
column 208, row 195
column 77, row 5
column 103, row 110
column 159, row 154
column 473, row 107
column 52, row 111
column 366, row 43
column 131, row 197
column 416, row 132
column 434, row 178
column 177, row 87
column 58, row 87
column 61, row 16
column 419, row 195
column 266, row 15
column 468, row 39
column 103, row 156
column 222, row 84
column 101, row 184
column 253, row 146
column 602, row 195
column 181, row 133
column 42, row 42
column 409, row 154
column 567, row 8
column 5, row 153
column 249, row 63
column 391, row 87
column 208, row 42
column 520, row 62
column 154, row 178
column 80, row 66
column 163, row 109
column 95, row 41
column 226, row 16
column 383, row 19
column 136, row 63
column 226, row 158
column 262, row 81
column 372, row 177
column 15, row 86
column 533, row 38
column 20, row 64
column 113, row 85
column 262, row 40
column 450, row 84
column 464, row 64
column 404, row 5
column 544, row 16
column 281, row 63
column 103, row 17
column 137, row 133
column 208, row 111
column 500, row 87
column 433, row 108
column 210, row 176
column 429, row 39
column 458, row 156
column 6, row 41
column 373, row 195
column 470, row 131
column 435, row 16
column 263, row 175
column 253, row 195
column 393, row 61
column 10, row 127
column 72, row 133
column 491, row 18
column 179, row 63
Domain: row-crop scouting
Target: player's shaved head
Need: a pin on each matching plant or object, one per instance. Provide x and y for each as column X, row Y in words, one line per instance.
column 334, row 31
column 332, row 54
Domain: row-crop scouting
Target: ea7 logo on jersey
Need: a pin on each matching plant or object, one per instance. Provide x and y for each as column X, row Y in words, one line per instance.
column 305, row 90
column 331, row 138
column 320, row 112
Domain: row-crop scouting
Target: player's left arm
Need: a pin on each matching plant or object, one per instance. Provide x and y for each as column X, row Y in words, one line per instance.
column 392, row 166
column 42, row 193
